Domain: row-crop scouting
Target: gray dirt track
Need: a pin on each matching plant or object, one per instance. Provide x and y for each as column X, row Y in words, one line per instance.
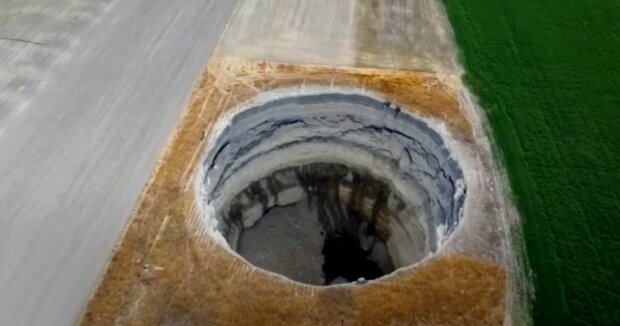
column 78, row 144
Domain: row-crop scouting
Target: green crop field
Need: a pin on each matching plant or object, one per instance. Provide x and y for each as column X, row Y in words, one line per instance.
column 547, row 73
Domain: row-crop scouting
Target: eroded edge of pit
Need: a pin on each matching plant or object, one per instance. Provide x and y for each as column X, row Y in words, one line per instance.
column 437, row 129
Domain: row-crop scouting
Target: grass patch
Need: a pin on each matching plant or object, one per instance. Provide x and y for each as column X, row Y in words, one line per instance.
column 547, row 73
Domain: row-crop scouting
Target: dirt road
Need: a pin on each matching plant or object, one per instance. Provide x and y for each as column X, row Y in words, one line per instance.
column 93, row 101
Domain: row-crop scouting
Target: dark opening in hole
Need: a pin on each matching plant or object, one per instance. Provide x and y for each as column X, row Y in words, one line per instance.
column 346, row 260
column 327, row 224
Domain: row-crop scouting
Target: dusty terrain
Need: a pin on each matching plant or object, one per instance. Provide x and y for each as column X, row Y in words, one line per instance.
column 171, row 268
column 167, row 269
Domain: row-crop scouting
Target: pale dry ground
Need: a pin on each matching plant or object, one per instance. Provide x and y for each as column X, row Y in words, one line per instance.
column 34, row 34
column 395, row 34
column 84, row 113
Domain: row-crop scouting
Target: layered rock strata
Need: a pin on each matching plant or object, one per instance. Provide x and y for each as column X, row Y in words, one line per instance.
column 369, row 170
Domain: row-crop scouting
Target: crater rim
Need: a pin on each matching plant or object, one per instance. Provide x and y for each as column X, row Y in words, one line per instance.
column 226, row 121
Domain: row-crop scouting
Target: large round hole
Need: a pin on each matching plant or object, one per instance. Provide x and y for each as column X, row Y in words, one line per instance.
column 331, row 188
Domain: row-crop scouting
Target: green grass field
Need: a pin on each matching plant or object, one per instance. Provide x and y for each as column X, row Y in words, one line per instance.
column 547, row 73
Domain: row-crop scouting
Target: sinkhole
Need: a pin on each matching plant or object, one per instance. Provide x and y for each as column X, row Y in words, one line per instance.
column 330, row 188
